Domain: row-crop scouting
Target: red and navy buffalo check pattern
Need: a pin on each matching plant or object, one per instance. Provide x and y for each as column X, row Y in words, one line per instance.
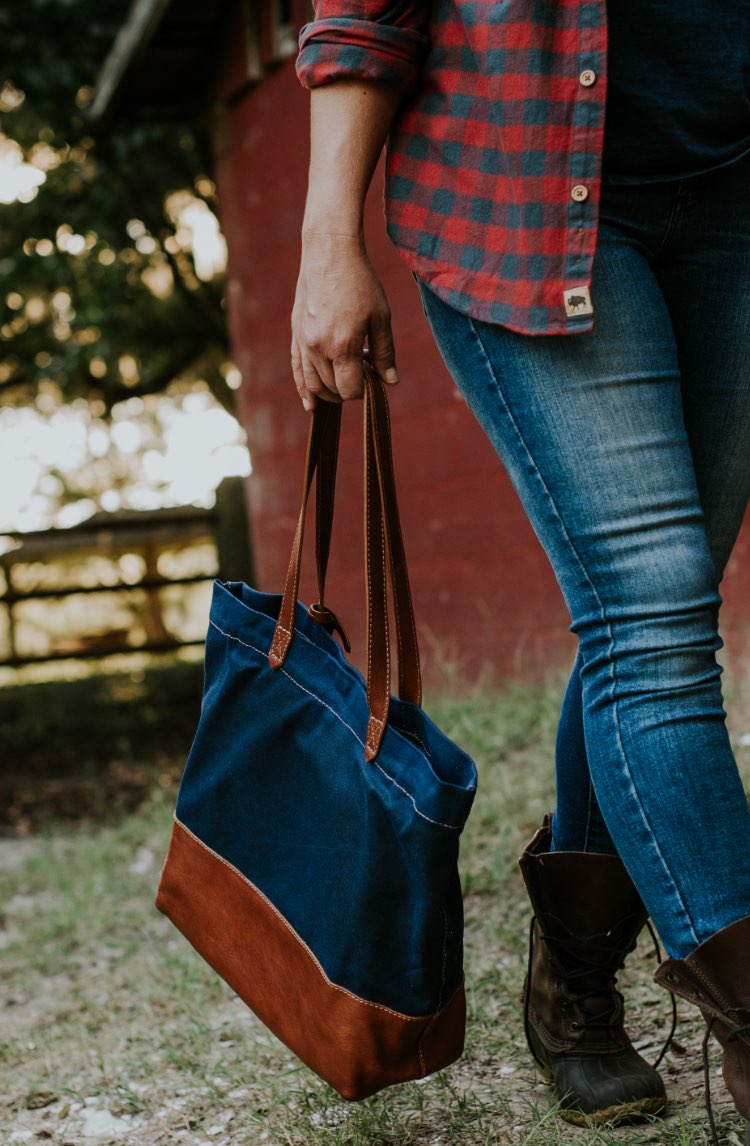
column 494, row 161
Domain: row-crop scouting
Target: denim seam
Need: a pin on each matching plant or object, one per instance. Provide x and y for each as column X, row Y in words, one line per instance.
column 672, row 223
column 604, row 618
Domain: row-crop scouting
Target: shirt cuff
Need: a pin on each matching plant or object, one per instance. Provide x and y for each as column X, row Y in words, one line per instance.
column 339, row 47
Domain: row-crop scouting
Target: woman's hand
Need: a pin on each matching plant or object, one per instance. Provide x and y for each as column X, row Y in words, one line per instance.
column 340, row 316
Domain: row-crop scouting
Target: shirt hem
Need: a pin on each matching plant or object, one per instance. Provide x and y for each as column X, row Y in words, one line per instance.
column 428, row 272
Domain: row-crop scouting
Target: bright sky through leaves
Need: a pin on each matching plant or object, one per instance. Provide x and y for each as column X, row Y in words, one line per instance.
column 168, row 451
column 40, row 451
column 19, row 181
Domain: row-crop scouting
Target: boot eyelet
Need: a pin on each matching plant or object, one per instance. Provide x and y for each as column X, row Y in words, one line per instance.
column 575, row 1027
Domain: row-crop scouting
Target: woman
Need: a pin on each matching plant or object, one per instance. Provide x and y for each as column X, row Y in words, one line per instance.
column 590, row 294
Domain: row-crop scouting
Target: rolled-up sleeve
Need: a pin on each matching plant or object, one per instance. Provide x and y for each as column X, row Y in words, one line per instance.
column 364, row 39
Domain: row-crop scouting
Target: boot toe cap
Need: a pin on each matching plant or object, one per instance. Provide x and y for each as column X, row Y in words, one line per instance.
column 608, row 1087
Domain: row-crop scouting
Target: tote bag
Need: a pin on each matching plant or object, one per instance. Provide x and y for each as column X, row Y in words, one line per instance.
column 313, row 858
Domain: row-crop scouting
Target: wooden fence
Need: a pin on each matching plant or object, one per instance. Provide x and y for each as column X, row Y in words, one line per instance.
column 146, row 535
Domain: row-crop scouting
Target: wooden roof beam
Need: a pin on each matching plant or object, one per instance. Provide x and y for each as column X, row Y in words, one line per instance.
column 132, row 40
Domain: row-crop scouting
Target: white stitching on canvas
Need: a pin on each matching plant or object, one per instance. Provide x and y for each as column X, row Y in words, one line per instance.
column 245, row 644
column 438, row 823
column 293, row 933
column 299, row 635
column 407, row 732
column 301, row 687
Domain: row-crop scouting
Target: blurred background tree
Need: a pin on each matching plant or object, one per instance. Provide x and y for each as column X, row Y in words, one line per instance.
column 110, row 251
column 114, row 357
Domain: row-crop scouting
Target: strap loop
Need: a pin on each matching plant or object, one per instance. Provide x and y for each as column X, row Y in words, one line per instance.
column 328, row 619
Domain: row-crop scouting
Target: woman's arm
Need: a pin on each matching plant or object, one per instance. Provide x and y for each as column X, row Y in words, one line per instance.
column 340, row 305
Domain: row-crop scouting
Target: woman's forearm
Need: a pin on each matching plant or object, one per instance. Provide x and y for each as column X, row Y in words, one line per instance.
column 340, row 308
column 350, row 120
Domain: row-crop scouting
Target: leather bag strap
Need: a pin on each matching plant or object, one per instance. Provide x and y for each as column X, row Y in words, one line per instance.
column 322, row 442
column 384, row 555
column 410, row 679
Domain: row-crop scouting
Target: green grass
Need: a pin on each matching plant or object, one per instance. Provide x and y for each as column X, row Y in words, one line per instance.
column 90, row 748
column 106, row 1010
column 62, row 720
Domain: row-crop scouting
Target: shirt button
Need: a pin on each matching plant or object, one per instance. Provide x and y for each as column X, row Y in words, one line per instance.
column 587, row 78
column 579, row 193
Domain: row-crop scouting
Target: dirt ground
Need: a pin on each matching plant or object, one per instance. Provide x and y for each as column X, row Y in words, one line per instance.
column 100, row 1097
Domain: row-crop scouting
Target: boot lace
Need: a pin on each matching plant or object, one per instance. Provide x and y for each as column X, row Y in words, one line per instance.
column 607, row 957
column 741, row 1029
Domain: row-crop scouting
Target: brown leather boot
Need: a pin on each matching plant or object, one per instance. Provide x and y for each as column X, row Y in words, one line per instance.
column 716, row 978
column 587, row 916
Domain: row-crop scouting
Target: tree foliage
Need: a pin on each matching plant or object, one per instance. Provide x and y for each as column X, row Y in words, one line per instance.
column 100, row 292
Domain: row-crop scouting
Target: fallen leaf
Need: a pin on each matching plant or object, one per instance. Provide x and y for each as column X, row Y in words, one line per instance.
column 39, row 1098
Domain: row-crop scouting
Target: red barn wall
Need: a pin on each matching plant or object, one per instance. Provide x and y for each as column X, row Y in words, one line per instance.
column 484, row 593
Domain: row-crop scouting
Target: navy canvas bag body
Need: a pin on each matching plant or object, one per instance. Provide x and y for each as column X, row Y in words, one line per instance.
column 313, row 858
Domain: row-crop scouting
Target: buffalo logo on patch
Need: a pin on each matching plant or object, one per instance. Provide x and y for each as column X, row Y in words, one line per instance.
column 577, row 301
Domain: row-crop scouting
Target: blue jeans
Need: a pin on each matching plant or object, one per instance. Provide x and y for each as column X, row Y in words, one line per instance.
column 630, row 449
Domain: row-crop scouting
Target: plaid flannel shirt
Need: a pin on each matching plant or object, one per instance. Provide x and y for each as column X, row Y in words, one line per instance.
column 494, row 160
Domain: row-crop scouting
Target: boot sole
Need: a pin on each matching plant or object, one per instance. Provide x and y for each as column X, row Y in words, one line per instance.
column 615, row 1115
column 612, row 1115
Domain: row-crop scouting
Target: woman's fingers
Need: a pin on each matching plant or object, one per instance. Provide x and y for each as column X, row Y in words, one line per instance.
column 298, row 372
column 319, row 375
column 347, row 369
column 380, row 345
column 331, row 381
column 329, row 372
column 302, row 375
